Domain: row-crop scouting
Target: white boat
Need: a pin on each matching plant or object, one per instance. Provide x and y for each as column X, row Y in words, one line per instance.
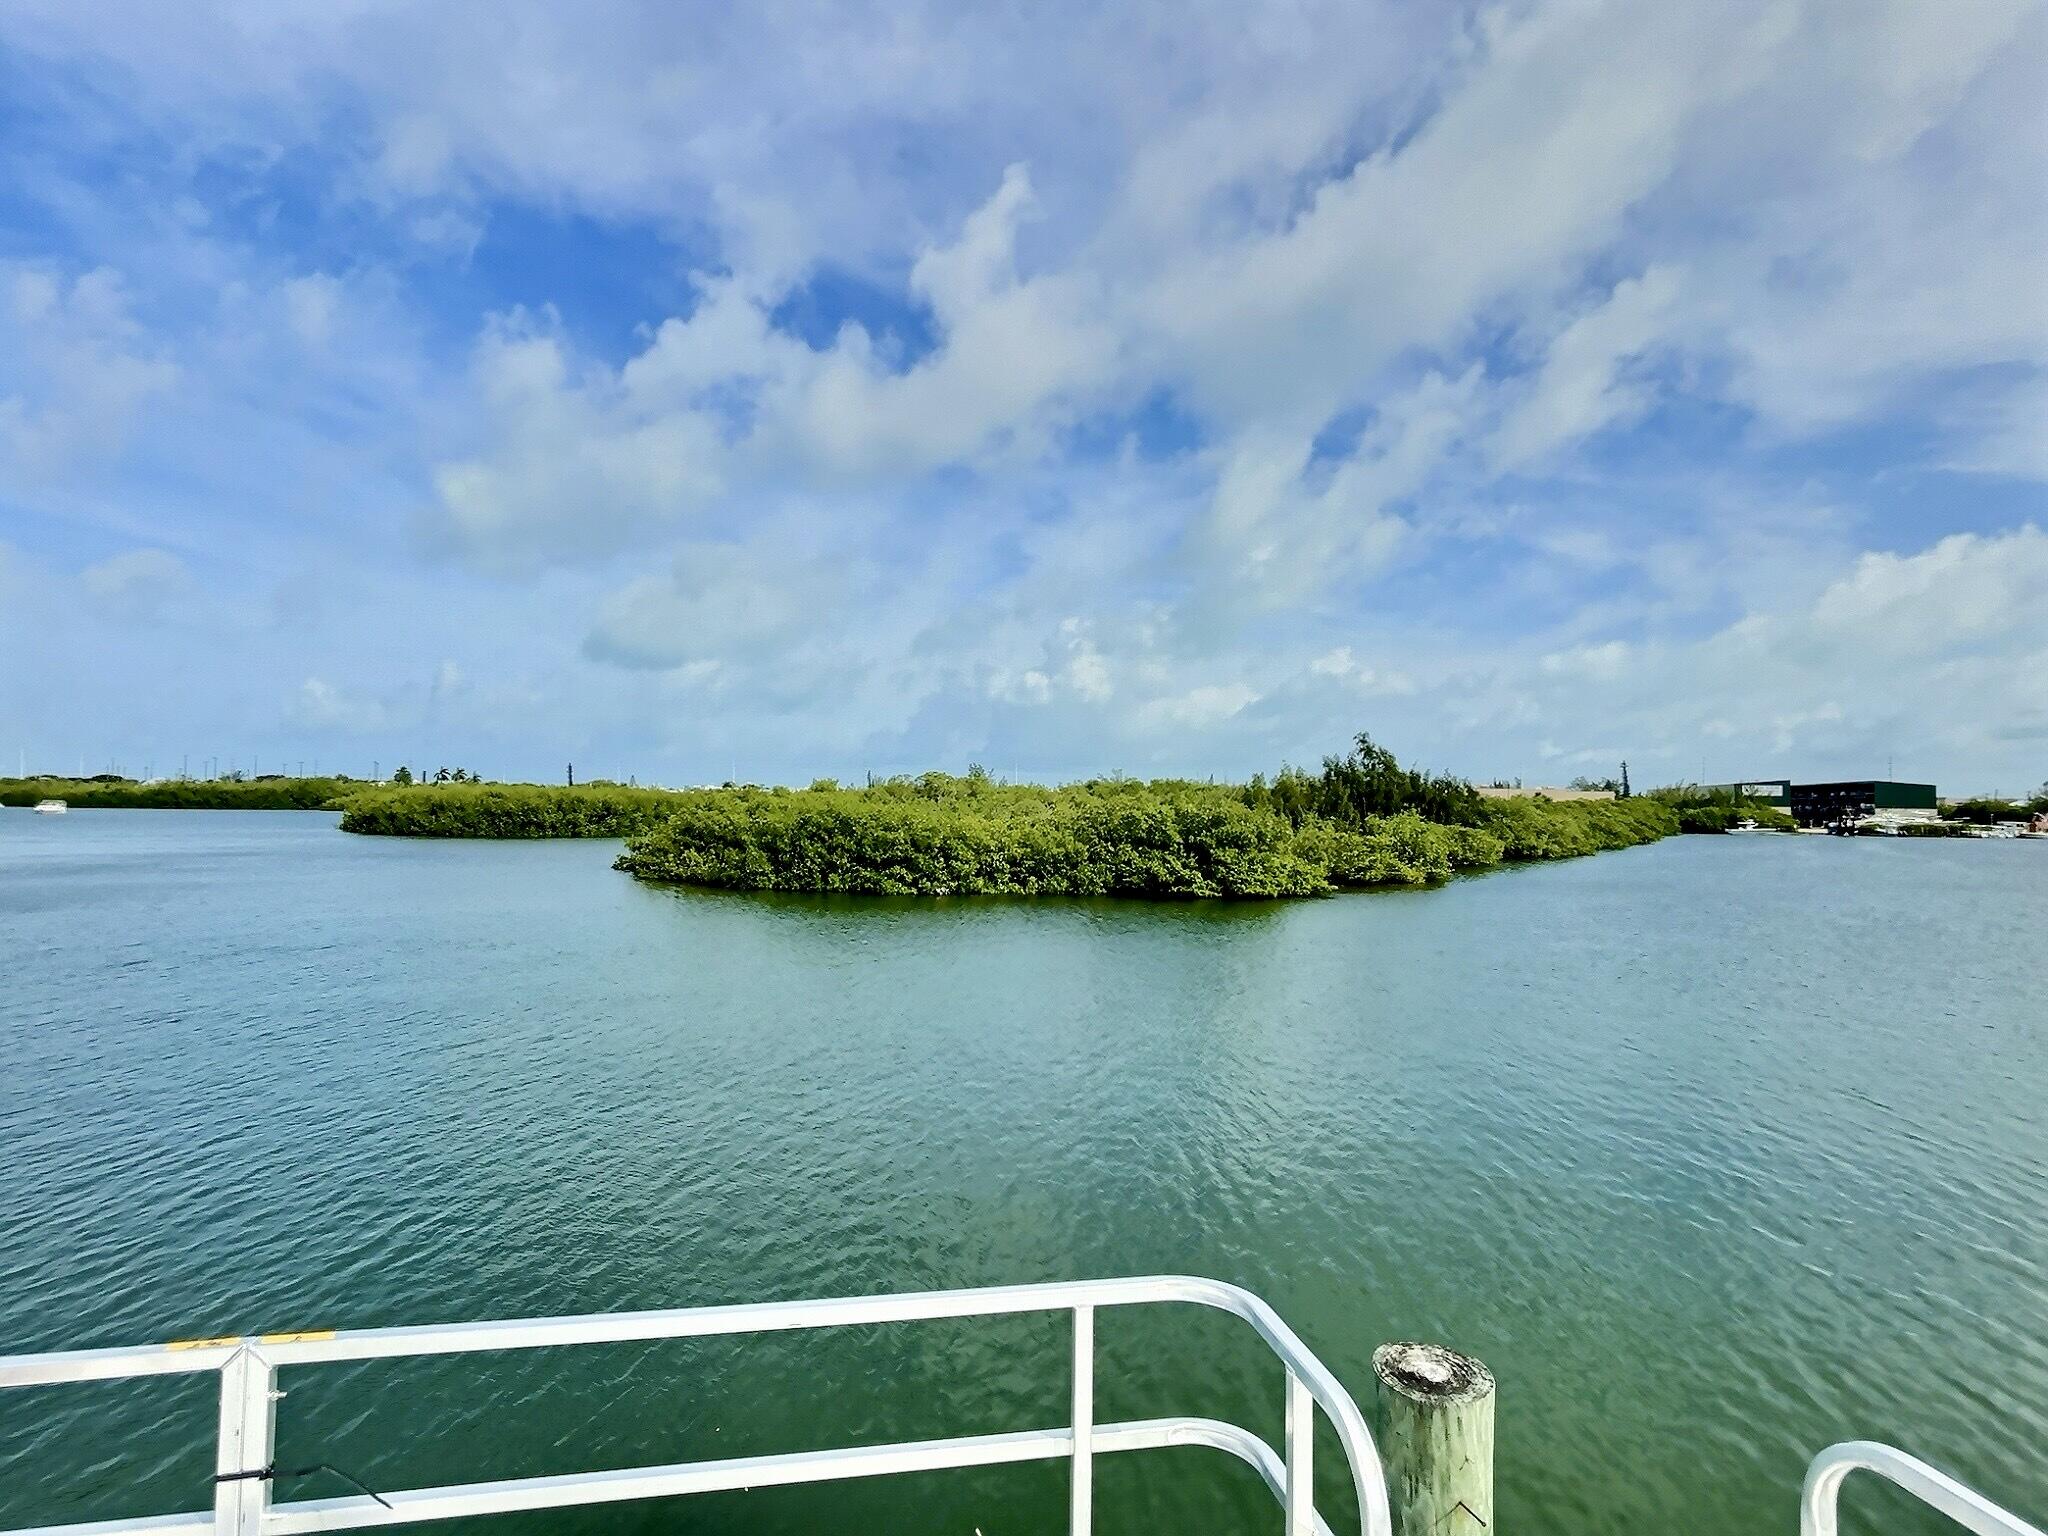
column 51, row 807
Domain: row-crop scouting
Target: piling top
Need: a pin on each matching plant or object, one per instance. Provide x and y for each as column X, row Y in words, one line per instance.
column 1431, row 1374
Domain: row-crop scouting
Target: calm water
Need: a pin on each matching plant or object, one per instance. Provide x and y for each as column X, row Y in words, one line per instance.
column 1715, row 1151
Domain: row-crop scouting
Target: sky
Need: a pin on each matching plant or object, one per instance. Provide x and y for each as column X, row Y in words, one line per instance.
column 777, row 391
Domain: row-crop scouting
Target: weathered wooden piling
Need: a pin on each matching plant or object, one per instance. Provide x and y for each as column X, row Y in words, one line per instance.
column 1435, row 1432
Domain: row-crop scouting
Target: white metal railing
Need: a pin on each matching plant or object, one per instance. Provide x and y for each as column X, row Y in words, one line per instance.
column 248, row 1369
column 1968, row 1508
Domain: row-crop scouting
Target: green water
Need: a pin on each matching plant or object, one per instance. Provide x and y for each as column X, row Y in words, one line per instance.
column 1716, row 1151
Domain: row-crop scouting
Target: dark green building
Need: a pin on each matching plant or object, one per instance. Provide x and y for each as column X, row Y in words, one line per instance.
column 1821, row 805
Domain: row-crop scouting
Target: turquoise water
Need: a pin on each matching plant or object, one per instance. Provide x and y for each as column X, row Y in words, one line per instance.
column 1715, row 1151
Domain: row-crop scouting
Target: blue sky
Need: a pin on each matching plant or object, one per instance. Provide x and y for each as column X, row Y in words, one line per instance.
column 1163, row 389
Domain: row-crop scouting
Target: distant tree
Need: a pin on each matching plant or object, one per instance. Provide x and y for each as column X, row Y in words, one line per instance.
column 1984, row 810
column 441, row 775
column 1625, row 790
column 460, row 776
column 1368, row 782
column 402, row 775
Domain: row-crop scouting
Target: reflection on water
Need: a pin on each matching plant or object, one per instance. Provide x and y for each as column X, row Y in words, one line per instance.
column 1715, row 1151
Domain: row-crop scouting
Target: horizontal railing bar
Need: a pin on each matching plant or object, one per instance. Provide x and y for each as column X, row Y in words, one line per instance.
column 355, row 1512
column 112, row 1364
column 329, row 1345
column 332, row 1345
column 414, row 1506
column 148, row 1525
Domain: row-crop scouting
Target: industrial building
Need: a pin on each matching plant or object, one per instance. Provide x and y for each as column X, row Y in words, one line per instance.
column 1824, row 805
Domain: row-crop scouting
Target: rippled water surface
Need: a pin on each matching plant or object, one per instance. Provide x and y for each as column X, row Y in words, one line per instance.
column 1715, row 1151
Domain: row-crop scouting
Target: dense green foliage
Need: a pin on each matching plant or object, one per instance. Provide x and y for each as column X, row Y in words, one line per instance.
column 1364, row 821
column 1367, row 782
column 275, row 793
column 1984, row 812
column 938, row 835
column 1531, row 827
column 472, row 809
column 1701, row 809
column 1368, row 785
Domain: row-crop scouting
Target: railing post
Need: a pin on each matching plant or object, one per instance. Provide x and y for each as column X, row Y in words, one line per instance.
column 1081, row 1488
column 1436, row 1439
column 1301, row 1458
column 248, row 1419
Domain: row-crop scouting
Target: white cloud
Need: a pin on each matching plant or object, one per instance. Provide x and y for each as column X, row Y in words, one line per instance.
column 1579, row 390
column 2006, row 432
column 1527, row 167
column 323, row 707
column 1088, row 674
column 716, row 602
column 320, row 706
column 1198, row 708
column 1962, row 593
column 582, row 457
column 576, row 465
column 75, row 367
column 310, row 304
column 137, row 584
column 1937, row 656
column 1602, row 662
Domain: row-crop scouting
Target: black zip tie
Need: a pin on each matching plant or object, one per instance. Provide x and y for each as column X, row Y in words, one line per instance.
column 271, row 1473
